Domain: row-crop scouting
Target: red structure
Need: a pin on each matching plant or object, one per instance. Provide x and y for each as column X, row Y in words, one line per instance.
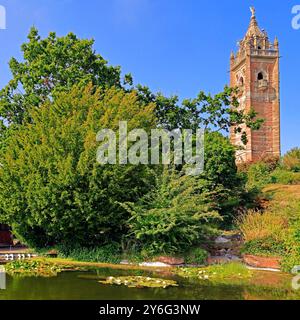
column 255, row 70
column 6, row 238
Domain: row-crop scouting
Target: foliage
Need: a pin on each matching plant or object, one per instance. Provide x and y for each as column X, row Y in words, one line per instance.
column 216, row 112
column 221, row 178
column 52, row 189
column 228, row 272
column 292, row 256
column 269, row 246
column 196, row 256
column 291, row 160
column 173, row 217
column 50, row 66
column 32, row 268
column 140, row 282
column 109, row 253
column 283, row 176
column 257, row 226
column 258, row 176
column 276, row 231
column 271, row 161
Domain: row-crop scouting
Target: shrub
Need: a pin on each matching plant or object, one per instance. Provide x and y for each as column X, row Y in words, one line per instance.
column 268, row 246
column 285, row 177
column 258, row 176
column 53, row 189
column 291, row 160
column 196, row 256
column 292, row 257
column 256, row 225
column 173, row 217
column 272, row 162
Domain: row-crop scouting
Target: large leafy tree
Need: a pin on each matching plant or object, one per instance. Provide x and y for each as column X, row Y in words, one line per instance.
column 217, row 112
column 49, row 66
column 52, row 190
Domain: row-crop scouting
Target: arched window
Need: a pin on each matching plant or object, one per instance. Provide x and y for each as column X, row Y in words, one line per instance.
column 259, row 47
column 260, row 76
column 241, row 81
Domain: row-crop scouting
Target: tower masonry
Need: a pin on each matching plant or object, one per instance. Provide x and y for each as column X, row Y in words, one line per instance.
column 254, row 69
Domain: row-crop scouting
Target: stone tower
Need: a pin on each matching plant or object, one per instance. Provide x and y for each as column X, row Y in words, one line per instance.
column 255, row 70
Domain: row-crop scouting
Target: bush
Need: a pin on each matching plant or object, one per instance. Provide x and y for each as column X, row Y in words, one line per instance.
column 285, row 177
column 174, row 217
column 268, row 246
column 258, row 176
column 292, row 257
column 291, row 160
column 272, row 162
column 196, row 256
column 52, row 188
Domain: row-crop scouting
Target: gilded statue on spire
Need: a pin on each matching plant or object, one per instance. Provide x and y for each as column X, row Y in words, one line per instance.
column 252, row 9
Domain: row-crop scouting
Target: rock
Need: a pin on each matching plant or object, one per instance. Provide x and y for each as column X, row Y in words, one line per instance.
column 262, row 262
column 52, row 253
column 233, row 235
column 154, row 264
column 223, row 243
column 223, row 259
column 218, row 260
column 233, row 258
column 171, row 260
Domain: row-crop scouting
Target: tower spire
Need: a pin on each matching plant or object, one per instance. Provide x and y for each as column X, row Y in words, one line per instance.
column 253, row 29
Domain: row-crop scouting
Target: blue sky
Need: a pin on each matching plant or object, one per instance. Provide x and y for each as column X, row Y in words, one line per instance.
column 173, row 46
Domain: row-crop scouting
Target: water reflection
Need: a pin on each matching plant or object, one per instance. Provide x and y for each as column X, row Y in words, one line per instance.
column 84, row 285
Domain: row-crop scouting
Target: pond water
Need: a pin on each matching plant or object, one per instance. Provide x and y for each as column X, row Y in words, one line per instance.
column 85, row 286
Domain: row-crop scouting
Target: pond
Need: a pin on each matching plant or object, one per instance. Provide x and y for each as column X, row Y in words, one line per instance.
column 85, row 286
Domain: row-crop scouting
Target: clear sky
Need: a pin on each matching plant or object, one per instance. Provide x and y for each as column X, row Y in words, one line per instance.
column 173, row 46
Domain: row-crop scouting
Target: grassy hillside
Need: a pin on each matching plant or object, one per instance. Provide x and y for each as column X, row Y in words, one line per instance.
column 275, row 231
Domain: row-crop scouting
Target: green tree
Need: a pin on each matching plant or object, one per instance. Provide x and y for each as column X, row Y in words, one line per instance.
column 49, row 66
column 52, row 190
column 217, row 112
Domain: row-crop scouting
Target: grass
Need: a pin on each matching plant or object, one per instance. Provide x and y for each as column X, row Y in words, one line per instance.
column 256, row 225
column 81, row 265
column 276, row 231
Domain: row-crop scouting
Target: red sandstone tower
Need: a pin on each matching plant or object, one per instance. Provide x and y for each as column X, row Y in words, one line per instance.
column 255, row 70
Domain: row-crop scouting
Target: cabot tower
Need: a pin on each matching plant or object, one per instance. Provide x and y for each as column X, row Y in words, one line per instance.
column 255, row 70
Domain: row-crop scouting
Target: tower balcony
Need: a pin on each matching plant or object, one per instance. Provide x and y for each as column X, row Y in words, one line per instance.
column 264, row 52
column 262, row 84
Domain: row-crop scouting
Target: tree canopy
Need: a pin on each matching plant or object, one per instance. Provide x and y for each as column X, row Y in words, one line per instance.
column 53, row 191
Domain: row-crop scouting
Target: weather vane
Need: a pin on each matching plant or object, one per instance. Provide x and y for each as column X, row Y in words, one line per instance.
column 252, row 9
